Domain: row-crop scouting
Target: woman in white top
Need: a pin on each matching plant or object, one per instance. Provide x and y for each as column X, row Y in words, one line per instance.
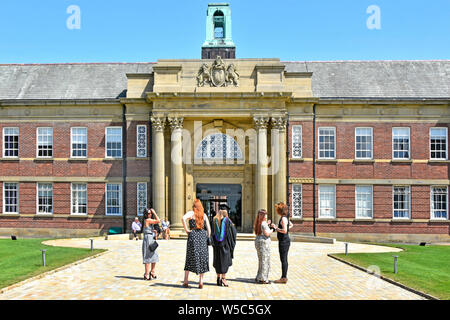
column 197, row 254
column 262, row 245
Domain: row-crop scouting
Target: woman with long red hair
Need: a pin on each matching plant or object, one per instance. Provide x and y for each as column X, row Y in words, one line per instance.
column 262, row 245
column 197, row 254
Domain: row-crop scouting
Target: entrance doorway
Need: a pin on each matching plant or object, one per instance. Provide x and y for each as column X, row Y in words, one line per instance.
column 211, row 195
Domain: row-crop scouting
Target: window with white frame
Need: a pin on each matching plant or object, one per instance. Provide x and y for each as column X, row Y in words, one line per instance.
column 439, row 202
column 141, row 197
column 78, row 142
column 113, row 199
column 400, row 143
column 438, row 143
column 45, row 198
column 114, row 142
column 364, row 202
column 363, row 143
column 141, row 141
column 10, row 197
column 402, row 202
column 79, row 198
column 296, row 200
column 45, row 142
column 327, row 143
column 11, row 142
column 327, row 201
column 297, row 142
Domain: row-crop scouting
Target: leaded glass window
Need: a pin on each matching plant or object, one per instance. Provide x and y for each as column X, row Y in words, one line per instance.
column 141, row 141
column 219, row 146
column 296, row 142
column 296, row 200
column 141, row 197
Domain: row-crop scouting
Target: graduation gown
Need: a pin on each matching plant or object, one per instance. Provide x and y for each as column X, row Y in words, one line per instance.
column 223, row 245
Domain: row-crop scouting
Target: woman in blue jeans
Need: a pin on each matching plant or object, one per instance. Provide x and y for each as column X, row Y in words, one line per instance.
column 284, row 242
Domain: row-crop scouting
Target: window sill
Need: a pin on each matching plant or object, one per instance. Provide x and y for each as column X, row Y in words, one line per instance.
column 439, row 221
column 326, row 161
column 406, row 161
column 44, row 215
column 297, row 160
column 363, row 161
column 77, row 216
column 112, row 159
column 297, row 219
column 78, row 159
column 364, row 220
column 10, row 215
column 438, row 161
column 401, row 220
column 43, row 159
column 326, row 219
column 12, row 159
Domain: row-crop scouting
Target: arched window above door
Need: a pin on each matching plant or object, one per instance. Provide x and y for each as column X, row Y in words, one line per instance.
column 219, row 146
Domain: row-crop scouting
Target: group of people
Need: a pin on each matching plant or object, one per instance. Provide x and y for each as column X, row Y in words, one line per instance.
column 222, row 237
column 136, row 227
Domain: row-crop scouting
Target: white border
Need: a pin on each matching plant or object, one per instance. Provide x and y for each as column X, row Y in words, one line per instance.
column 106, row 142
column 4, row 202
column 292, row 200
column 318, row 143
column 137, row 141
column 71, row 199
column 137, row 197
column 409, row 143
column 371, row 150
column 121, row 200
column 301, row 141
column 71, row 143
column 18, row 143
column 446, row 143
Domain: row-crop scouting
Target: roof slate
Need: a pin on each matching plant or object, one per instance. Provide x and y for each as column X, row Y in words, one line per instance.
column 331, row 79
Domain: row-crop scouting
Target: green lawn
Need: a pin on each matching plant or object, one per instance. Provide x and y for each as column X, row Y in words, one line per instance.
column 426, row 268
column 22, row 259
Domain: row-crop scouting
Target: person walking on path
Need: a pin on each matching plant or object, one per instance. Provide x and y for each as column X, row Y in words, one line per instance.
column 197, row 254
column 284, row 242
column 262, row 245
column 223, row 242
column 149, row 256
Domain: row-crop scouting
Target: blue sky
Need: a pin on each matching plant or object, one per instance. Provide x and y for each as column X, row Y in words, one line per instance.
column 140, row 31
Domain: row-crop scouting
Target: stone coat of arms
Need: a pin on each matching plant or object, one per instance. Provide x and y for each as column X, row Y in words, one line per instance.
column 218, row 75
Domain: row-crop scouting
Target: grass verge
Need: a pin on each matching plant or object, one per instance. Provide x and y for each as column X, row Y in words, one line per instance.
column 424, row 268
column 22, row 259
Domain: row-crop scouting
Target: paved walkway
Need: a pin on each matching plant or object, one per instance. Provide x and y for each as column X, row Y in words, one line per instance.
column 118, row 275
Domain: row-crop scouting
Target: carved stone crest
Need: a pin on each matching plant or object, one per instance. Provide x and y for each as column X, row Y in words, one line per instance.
column 218, row 75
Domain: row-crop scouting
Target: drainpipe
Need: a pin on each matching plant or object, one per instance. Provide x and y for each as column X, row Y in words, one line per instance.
column 287, row 163
column 150, row 157
column 314, row 170
column 124, row 168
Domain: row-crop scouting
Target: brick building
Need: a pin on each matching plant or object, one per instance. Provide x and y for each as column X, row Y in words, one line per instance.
column 359, row 149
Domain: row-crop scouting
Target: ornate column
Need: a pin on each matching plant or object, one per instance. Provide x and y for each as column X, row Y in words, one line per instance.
column 158, row 172
column 261, row 190
column 279, row 157
column 176, row 176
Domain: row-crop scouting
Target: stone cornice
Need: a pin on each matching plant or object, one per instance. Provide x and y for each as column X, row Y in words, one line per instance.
column 155, row 96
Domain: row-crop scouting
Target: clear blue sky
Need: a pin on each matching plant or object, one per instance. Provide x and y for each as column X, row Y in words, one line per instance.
column 139, row 31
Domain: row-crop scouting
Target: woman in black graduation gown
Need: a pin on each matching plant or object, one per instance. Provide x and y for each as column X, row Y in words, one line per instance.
column 223, row 242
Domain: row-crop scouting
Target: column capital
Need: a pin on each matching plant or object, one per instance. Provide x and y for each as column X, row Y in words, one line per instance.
column 279, row 123
column 158, row 122
column 176, row 122
column 261, row 122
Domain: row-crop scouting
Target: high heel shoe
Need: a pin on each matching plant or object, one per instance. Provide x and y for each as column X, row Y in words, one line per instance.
column 145, row 278
column 224, row 284
column 219, row 281
column 200, row 286
column 185, row 285
column 153, row 275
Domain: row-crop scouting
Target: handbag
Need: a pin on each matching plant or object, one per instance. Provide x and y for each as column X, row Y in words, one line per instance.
column 152, row 247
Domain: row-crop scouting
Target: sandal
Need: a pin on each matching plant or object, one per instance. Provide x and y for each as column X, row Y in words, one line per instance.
column 145, row 278
column 185, row 285
column 224, row 284
column 153, row 275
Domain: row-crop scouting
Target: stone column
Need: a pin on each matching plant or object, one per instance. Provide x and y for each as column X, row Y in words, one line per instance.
column 158, row 172
column 261, row 164
column 176, row 176
column 279, row 156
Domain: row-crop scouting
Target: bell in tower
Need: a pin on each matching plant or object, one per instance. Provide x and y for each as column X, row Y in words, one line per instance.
column 218, row 33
